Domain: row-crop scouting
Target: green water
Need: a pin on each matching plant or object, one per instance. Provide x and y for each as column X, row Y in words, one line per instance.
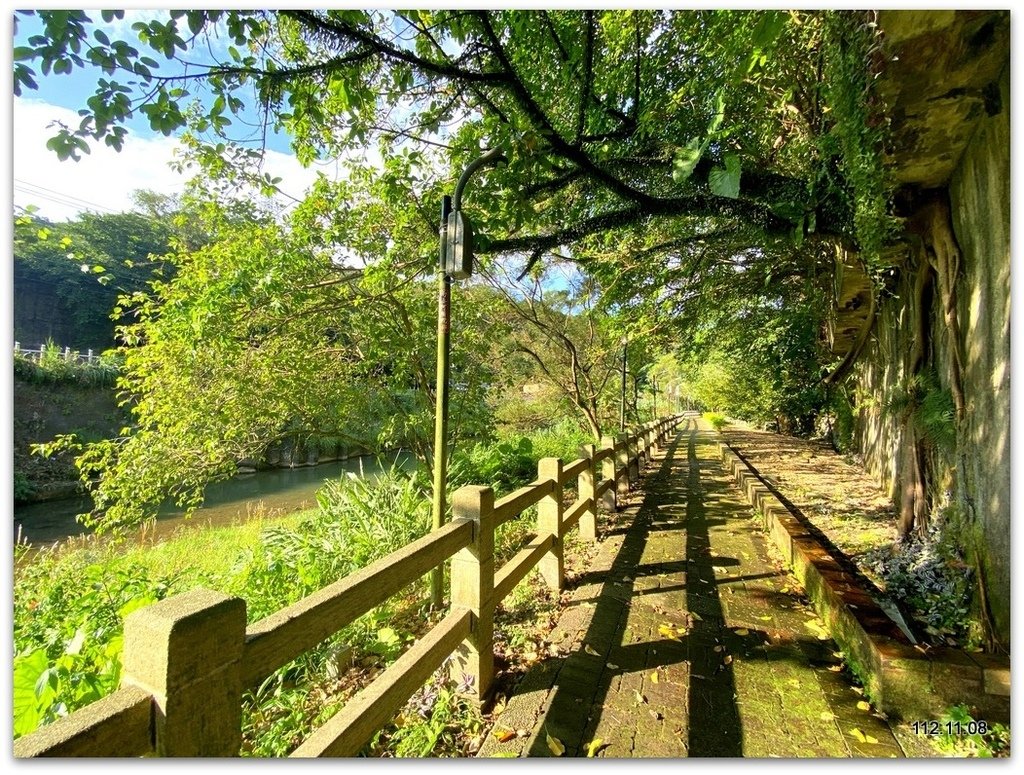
column 277, row 492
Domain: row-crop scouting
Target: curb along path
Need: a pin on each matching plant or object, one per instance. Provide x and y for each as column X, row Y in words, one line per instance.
column 686, row 639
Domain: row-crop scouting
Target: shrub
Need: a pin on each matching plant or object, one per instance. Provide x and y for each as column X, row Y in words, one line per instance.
column 717, row 419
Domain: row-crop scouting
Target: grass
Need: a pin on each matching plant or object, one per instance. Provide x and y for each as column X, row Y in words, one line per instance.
column 72, row 598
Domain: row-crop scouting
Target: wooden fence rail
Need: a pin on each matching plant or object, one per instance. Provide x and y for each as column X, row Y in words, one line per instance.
column 188, row 659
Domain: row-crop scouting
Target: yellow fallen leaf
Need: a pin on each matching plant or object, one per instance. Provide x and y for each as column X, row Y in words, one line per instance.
column 765, row 618
column 728, row 659
column 835, row 668
column 504, row 735
column 639, row 697
column 555, row 745
column 610, row 666
column 668, row 631
column 654, row 677
column 863, row 737
column 594, row 746
column 743, row 632
column 864, row 705
column 587, row 647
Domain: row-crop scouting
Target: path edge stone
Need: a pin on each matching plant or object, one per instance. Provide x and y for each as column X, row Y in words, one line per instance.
column 902, row 680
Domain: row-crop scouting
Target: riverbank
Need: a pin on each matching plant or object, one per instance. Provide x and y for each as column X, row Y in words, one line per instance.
column 276, row 490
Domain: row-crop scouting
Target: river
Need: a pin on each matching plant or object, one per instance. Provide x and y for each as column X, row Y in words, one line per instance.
column 278, row 491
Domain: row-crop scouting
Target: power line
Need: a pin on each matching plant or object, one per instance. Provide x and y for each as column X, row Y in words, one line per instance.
column 57, row 197
column 36, row 195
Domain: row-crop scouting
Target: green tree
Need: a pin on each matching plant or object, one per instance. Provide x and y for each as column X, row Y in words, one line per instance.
column 90, row 261
column 608, row 118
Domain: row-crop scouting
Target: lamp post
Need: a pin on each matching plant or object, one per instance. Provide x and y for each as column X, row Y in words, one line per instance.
column 456, row 262
column 622, row 401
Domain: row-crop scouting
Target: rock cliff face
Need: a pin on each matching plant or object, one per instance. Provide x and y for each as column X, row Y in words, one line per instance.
column 948, row 311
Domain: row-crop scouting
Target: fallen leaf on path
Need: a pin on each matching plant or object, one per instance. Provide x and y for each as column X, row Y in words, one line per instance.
column 864, row 705
column 728, row 659
column 594, row 746
column 765, row 618
column 504, row 735
column 610, row 666
column 654, row 677
column 669, row 631
column 719, row 648
column 863, row 737
column 639, row 697
column 589, row 649
column 743, row 632
column 555, row 745
column 835, row 668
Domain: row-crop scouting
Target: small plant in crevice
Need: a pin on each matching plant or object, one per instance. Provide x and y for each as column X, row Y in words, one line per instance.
column 929, row 407
column 961, row 735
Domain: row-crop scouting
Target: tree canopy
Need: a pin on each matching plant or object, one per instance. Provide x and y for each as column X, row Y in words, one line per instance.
column 750, row 121
column 691, row 164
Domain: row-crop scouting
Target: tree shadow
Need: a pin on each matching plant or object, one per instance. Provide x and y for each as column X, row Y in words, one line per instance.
column 585, row 677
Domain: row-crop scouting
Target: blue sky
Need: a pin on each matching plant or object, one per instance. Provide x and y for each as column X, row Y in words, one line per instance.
column 104, row 180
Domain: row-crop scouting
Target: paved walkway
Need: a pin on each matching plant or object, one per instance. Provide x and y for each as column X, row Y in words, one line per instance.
column 687, row 638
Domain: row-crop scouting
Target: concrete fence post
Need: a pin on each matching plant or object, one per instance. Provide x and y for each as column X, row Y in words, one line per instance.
column 586, row 485
column 608, row 473
column 621, row 467
column 473, row 588
column 549, row 521
column 186, row 651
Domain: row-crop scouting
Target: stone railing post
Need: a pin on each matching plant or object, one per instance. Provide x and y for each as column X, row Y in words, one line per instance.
column 549, row 520
column 608, row 472
column 586, row 486
column 632, row 441
column 186, row 651
column 473, row 588
column 621, row 467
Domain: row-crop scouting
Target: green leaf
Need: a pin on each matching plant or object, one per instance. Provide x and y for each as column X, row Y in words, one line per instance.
column 27, row 671
column 686, row 160
column 725, row 181
column 768, row 28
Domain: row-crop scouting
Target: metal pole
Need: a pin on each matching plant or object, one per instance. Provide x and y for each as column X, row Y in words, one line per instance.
column 622, row 403
column 444, row 298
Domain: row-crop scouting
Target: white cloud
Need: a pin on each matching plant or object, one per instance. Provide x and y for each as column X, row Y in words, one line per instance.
column 103, row 181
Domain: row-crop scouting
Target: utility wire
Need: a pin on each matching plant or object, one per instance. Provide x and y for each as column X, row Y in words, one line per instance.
column 34, row 189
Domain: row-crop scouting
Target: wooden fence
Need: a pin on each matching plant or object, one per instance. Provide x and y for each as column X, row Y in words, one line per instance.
column 189, row 659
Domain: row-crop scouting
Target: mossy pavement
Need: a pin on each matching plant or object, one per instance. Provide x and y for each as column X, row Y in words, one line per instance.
column 686, row 637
